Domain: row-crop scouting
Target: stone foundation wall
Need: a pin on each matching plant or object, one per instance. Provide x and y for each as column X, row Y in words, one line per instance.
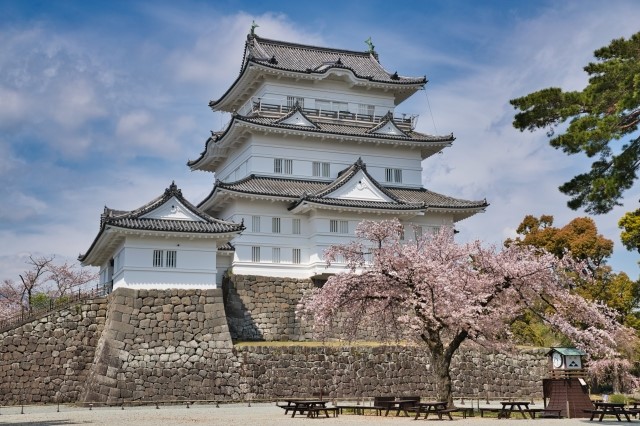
column 346, row 372
column 47, row 359
column 264, row 308
column 164, row 345
column 176, row 345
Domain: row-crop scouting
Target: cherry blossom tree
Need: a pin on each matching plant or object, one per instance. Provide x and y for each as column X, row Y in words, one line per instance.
column 10, row 299
column 34, row 277
column 440, row 294
column 67, row 277
column 42, row 277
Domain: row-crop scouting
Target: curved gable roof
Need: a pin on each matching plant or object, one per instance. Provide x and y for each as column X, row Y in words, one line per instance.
column 307, row 60
column 135, row 220
column 299, row 191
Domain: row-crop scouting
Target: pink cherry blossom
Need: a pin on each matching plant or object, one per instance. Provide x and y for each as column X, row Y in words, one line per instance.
column 440, row 294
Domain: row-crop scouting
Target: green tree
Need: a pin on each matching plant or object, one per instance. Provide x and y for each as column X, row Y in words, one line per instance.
column 580, row 237
column 602, row 123
column 630, row 225
column 581, row 240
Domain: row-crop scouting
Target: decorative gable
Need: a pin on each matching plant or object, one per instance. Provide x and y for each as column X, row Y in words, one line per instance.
column 298, row 119
column 359, row 187
column 172, row 209
column 387, row 127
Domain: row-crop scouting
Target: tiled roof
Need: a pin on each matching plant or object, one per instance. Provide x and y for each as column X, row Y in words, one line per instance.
column 326, row 128
column 312, row 59
column 133, row 220
column 299, row 190
column 346, row 130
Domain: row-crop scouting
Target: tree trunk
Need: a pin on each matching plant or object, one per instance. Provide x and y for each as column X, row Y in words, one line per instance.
column 440, row 364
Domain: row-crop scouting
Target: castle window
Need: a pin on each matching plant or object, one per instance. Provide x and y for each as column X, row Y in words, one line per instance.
column 118, row 261
column 339, row 226
column 296, row 255
column 158, row 257
column 393, row 175
column 321, row 169
column 293, row 100
column 282, row 166
column 275, row 255
column 275, row 225
column 295, row 226
column 364, row 109
column 326, row 105
column 255, row 254
column 171, row 259
column 255, row 223
column 164, row 258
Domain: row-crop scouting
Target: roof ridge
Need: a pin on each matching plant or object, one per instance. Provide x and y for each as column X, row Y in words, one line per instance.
column 363, row 53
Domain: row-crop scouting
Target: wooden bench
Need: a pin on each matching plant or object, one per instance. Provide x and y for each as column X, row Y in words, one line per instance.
column 489, row 410
column 360, row 409
column 544, row 413
column 465, row 411
column 315, row 411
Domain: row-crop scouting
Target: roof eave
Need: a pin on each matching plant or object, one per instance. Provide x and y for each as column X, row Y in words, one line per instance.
column 233, row 98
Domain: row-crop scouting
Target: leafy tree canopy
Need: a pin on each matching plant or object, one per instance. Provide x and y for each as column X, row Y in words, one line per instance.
column 630, row 225
column 607, row 110
column 580, row 237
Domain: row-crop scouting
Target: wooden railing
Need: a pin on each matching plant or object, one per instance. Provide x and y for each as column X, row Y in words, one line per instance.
column 53, row 304
column 404, row 121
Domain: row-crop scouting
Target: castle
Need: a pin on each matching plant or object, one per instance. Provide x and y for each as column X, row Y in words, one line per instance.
column 314, row 145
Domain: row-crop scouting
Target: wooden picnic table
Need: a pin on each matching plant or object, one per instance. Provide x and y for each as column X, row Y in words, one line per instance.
column 610, row 409
column 310, row 407
column 435, row 407
column 400, row 405
column 509, row 407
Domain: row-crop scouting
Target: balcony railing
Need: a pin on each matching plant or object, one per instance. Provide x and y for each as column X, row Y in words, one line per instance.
column 275, row 108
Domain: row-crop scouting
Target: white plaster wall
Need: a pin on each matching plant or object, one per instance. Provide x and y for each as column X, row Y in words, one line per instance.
column 257, row 155
column 195, row 264
column 276, row 92
column 315, row 237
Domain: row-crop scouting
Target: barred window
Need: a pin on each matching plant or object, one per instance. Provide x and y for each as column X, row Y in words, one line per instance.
column 295, row 226
column 255, row 223
column 255, row 254
column 275, row 225
column 171, row 259
column 158, row 257
column 275, row 255
column 364, row 109
column 282, row 166
column 393, row 175
column 321, row 169
column 166, row 259
column 293, row 100
column 295, row 255
column 339, row 226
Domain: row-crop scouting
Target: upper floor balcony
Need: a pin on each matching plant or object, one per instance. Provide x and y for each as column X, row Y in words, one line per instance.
column 326, row 111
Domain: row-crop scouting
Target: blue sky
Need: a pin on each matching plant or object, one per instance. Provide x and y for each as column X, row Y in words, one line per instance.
column 103, row 103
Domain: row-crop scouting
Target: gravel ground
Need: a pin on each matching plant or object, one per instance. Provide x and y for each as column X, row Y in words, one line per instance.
column 228, row 415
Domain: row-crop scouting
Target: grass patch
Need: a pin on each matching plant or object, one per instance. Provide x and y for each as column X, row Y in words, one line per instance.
column 333, row 344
